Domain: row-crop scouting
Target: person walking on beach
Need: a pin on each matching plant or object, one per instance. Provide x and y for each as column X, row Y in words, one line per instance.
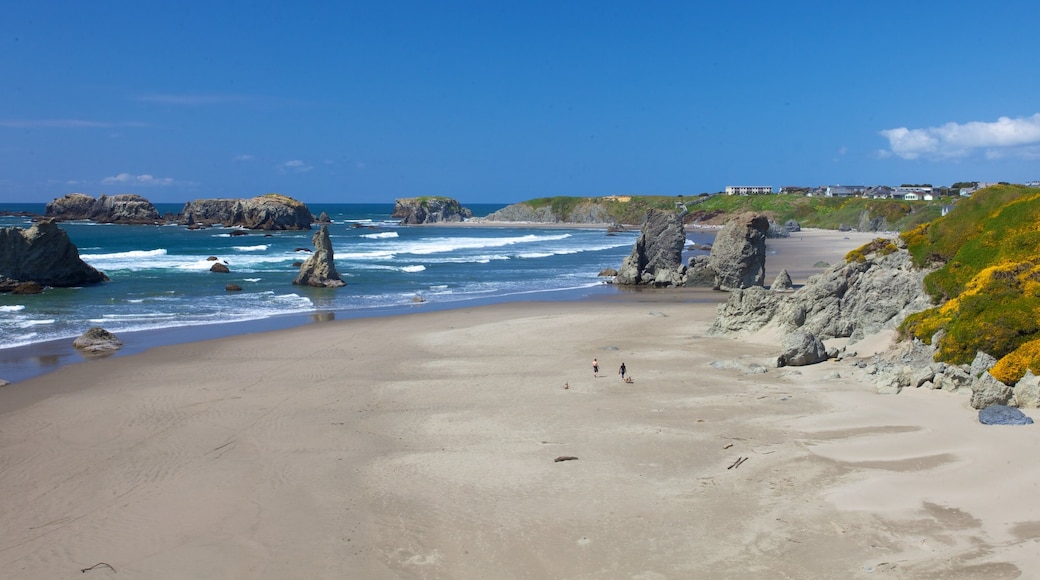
column 621, row 371
column 595, row 368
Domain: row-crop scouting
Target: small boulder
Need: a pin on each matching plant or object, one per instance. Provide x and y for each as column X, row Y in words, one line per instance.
column 987, row 390
column 233, row 288
column 219, row 268
column 1003, row 415
column 97, row 341
column 1027, row 392
column 801, row 348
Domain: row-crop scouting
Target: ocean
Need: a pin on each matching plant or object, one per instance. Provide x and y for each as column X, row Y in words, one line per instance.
column 160, row 284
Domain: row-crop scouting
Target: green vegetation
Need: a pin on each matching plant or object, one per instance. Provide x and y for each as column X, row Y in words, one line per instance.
column 814, row 212
column 987, row 282
column 282, row 198
column 877, row 246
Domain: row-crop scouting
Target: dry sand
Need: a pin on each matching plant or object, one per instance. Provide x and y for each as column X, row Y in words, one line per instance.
column 425, row 446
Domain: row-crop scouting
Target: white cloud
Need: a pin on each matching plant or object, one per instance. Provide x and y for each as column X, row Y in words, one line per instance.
column 295, row 166
column 143, row 179
column 244, row 157
column 1004, row 137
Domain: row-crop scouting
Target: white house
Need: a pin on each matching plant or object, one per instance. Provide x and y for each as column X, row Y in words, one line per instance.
column 748, row 189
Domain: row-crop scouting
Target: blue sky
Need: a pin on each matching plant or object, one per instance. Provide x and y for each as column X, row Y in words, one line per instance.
column 501, row 102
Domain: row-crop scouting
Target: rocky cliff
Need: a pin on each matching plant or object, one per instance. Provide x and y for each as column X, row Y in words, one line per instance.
column 584, row 212
column 43, row 254
column 126, row 208
column 429, row 210
column 265, row 212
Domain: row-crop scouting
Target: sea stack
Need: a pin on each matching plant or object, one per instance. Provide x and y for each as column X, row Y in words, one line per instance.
column 319, row 270
column 43, row 254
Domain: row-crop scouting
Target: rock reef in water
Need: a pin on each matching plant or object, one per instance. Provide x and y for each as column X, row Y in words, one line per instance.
column 43, row 254
column 429, row 210
column 124, row 208
column 264, row 212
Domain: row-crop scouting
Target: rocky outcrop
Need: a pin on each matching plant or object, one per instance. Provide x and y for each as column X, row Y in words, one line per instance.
column 97, row 341
column 656, row 258
column 43, row 254
column 124, row 208
column 738, row 255
column 319, row 270
column 582, row 212
column 265, row 212
column 849, row 300
column 429, row 210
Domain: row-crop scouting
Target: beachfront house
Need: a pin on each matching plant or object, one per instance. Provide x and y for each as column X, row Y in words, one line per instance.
column 749, row 189
column 844, row 190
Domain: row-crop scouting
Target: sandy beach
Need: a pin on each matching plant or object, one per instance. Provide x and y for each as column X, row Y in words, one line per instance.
column 476, row 443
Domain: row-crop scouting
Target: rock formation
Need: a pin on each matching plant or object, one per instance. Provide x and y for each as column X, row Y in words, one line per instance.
column 43, row 254
column 97, row 341
column 124, row 208
column 738, row 255
column 656, row 258
column 319, row 270
column 582, row 212
column 782, row 283
column 265, row 212
column 429, row 210
column 801, row 348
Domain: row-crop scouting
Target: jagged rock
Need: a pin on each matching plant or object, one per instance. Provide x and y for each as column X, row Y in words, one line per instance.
column 237, row 233
column 792, row 226
column 97, row 340
column 319, row 269
column 265, row 212
column 982, row 363
column 124, row 208
column 986, row 391
column 607, row 272
column 1003, row 415
column 849, row 300
column 776, row 230
column 746, row 311
column 25, row 288
column 324, row 218
column 782, row 282
column 656, row 257
column 429, row 210
column 699, row 273
column 43, row 254
column 219, row 268
column 1027, row 392
column 738, row 255
column 801, row 348
column 952, row 379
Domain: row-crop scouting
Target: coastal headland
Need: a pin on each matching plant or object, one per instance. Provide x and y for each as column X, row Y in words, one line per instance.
column 476, row 443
